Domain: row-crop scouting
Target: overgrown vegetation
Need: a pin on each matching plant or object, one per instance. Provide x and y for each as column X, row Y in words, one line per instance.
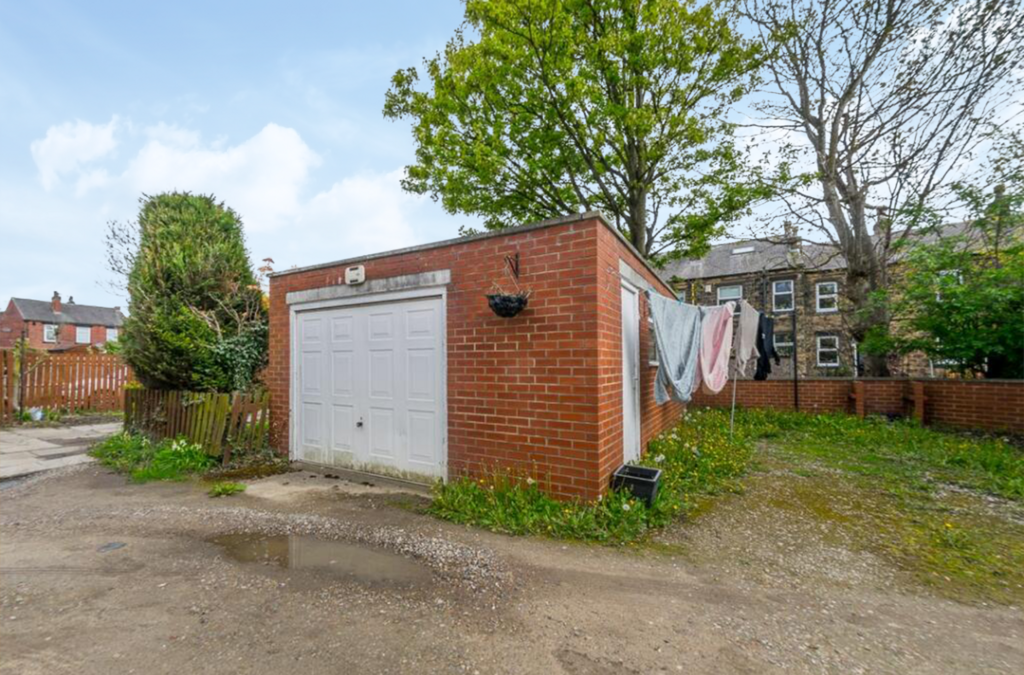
column 696, row 458
column 226, row 489
column 944, row 508
column 901, row 454
column 198, row 319
column 143, row 460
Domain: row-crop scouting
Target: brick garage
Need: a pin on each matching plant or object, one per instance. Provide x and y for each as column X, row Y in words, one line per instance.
column 540, row 393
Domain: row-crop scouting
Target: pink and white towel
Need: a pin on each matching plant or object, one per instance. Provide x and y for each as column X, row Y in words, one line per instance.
column 715, row 345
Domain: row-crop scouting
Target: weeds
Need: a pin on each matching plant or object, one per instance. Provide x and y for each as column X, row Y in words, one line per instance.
column 696, row 458
column 225, row 489
column 143, row 460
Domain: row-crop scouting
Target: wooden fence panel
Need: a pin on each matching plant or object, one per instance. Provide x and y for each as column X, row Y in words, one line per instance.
column 64, row 381
column 7, row 386
column 220, row 423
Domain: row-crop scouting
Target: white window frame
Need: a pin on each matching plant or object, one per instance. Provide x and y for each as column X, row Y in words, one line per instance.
column 791, row 293
column 789, row 344
column 722, row 301
column 834, row 295
column 49, row 332
column 956, row 274
column 819, row 349
column 652, row 356
column 78, row 335
column 111, row 335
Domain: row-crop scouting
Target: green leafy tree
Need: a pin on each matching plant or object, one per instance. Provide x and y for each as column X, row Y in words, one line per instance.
column 196, row 320
column 567, row 105
column 960, row 300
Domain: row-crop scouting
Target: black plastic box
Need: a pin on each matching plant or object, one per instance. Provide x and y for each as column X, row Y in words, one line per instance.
column 642, row 481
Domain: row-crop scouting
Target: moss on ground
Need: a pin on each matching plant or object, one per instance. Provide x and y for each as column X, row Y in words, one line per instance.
column 943, row 509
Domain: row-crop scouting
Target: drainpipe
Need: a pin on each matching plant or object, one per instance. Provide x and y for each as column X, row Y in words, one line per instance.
column 796, row 384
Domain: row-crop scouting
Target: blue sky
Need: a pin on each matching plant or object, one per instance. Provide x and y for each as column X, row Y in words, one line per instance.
column 274, row 107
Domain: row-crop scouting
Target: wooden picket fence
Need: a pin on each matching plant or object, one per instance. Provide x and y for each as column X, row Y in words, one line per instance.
column 63, row 381
column 220, row 423
column 8, row 398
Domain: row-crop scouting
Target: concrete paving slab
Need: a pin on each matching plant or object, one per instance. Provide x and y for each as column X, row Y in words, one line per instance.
column 26, row 450
column 61, row 451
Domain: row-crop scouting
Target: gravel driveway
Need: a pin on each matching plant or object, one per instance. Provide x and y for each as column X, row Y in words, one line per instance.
column 102, row 576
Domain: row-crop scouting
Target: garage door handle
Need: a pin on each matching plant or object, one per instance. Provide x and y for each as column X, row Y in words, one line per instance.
column 359, row 423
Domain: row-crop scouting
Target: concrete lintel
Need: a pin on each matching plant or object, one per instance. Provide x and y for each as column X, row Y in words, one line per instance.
column 404, row 282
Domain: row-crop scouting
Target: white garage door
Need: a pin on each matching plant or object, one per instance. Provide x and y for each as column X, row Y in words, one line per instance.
column 369, row 387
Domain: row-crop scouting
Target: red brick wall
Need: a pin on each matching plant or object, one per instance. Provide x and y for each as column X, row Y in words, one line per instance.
column 10, row 326
column 654, row 418
column 995, row 405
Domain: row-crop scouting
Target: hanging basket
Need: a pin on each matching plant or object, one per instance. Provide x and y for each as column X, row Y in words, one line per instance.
column 507, row 305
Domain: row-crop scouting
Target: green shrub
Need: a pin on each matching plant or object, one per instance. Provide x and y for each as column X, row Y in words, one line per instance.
column 224, row 489
column 197, row 319
column 136, row 455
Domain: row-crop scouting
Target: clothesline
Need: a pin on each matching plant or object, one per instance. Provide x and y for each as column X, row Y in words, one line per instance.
column 693, row 344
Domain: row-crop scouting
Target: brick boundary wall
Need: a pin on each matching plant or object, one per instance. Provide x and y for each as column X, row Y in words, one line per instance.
column 990, row 405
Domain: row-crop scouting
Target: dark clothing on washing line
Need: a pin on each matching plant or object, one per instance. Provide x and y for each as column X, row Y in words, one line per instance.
column 765, row 347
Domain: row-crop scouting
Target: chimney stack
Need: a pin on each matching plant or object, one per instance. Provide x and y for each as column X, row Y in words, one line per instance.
column 794, row 247
column 55, row 302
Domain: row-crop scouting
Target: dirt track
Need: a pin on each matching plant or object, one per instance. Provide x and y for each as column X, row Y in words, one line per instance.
column 169, row 600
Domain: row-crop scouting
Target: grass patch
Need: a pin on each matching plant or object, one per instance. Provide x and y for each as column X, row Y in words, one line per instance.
column 226, row 489
column 143, row 460
column 903, row 455
column 696, row 458
column 943, row 507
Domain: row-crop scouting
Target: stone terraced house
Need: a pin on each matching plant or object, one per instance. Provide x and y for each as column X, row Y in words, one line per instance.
column 800, row 285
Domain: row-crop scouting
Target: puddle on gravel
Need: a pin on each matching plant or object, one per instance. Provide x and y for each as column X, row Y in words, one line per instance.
column 335, row 558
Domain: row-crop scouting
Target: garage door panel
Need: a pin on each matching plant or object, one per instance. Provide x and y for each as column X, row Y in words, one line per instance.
column 312, row 373
column 312, row 425
column 422, row 434
column 382, row 433
column 382, row 326
column 311, row 331
column 421, row 323
column 382, row 374
column 342, row 427
column 343, row 329
column 342, row 374
column 421, row 374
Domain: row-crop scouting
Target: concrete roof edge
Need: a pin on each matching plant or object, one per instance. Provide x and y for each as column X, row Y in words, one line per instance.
column 518, row 229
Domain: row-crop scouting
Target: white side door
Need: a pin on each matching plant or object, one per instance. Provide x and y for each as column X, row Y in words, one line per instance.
column 630, row 374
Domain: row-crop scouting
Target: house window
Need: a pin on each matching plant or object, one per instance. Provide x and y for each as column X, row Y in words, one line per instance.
column 50, row 332
column 828, row 351
column 784, row 344
column 111, row 334
column 947, row 278
column 827, row 293
column 729, row 294
column 782, row 296
column 83, row 335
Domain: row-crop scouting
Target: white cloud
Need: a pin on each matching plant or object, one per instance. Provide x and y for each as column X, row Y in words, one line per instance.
column 68, row 146
column 362, row 214
column 261, row 178
column 289, row 213
column 172, row 134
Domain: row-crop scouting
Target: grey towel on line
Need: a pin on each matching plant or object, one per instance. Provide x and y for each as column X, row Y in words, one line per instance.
column 677, row 346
